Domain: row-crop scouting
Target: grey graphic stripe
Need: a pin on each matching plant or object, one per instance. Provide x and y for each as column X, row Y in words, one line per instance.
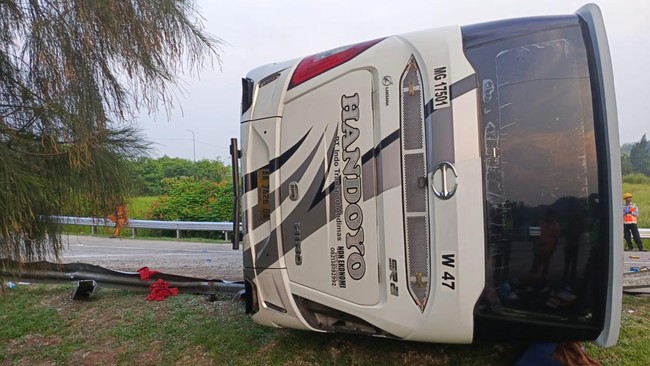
column 310, row 218
column 440, row 125
column 297, row 175
column 250, row 180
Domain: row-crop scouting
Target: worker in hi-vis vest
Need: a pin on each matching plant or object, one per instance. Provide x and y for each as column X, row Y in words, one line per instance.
column 630, row 228
column 120, row 219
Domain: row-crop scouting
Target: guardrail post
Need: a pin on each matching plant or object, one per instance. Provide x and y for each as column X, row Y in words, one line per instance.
column 225, row 235
column 178, row 234
column 134, row 232
column 93, row 230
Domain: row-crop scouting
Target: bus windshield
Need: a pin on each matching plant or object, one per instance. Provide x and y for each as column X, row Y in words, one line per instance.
column 544, row 247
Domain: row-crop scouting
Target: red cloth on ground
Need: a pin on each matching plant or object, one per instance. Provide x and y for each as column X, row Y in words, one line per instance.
column 160, row 290
column 146, row 273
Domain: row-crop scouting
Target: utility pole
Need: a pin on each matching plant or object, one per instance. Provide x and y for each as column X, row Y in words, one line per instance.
column 193, row 143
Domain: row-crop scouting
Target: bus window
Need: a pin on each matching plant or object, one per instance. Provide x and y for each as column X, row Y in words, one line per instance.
column 540, row 171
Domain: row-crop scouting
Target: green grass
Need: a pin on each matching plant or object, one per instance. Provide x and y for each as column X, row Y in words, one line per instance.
column 633, row 347
column 139, row 206
column 41, row 324
column 120, row 327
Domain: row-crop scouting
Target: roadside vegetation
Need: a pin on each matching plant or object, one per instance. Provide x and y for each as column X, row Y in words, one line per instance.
column 141, row 208
column 175, row 189
column 635, row 157
column 178, row 189
column 75, row 76
column 171, row 189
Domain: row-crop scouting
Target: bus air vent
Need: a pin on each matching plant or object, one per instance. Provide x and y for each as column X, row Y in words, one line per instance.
column 415, row 195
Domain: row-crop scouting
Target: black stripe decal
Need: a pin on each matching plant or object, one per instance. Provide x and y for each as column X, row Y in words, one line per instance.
column 463, row 86
column 278, row 162
column 250, row 179
column 284, row 187
column 457, row 89
column 321, row 194
column 383, row 144
column 310, row 217
column 440, row 125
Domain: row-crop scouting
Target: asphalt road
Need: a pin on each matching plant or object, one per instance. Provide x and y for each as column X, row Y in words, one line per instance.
column 203, row 260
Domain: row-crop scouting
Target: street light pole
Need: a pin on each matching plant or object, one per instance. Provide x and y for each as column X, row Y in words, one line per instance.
column 193, row 144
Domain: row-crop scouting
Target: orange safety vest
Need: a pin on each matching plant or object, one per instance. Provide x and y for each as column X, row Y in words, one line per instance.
column 121, row 214
column 630, row 218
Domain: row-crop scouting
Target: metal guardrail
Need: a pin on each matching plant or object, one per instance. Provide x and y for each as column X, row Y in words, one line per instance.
column 46, row 272
column 225, row 227
column 636, row 280
column 134, row 225
column 644, row 233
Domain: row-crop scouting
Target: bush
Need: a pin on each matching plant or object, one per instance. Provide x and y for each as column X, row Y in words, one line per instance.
column 190, row 199
column 147, row 174
column 636, row 178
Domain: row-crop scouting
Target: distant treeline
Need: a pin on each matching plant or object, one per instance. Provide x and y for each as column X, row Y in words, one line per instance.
column 148, row 174
column 181, row 189
column 635, row 157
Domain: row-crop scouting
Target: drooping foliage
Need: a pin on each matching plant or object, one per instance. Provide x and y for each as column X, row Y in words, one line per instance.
column 73, row 76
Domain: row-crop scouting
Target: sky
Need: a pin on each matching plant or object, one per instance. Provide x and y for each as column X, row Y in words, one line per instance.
column 257, row 32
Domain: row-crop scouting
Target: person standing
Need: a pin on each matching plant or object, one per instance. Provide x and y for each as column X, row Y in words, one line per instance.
column 630, row 228
column 120, row 218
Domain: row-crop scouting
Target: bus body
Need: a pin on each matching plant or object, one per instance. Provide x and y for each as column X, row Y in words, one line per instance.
column 451, row 185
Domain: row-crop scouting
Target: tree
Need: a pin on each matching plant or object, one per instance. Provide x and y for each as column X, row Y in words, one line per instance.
column 640, row 157
column 626, row 164
column 74, row 74
column 148, row 173
column 192, row 199
column 626, row 148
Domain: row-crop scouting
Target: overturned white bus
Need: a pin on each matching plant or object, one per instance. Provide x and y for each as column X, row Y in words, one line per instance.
column 451, row 185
